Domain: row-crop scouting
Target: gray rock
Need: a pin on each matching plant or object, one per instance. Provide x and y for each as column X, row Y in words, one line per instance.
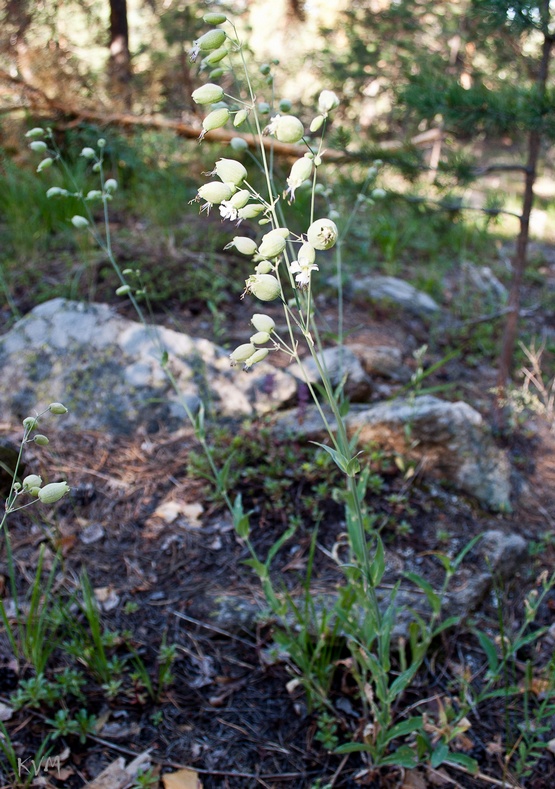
column 483, row 279
column 396, row 290
column 108, row 371
column 341, row 364
column 386, row 361
column 450, row 441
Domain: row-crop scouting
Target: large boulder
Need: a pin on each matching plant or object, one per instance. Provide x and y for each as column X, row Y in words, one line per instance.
column 449, row 441
column 110, row 373
column 342, row 367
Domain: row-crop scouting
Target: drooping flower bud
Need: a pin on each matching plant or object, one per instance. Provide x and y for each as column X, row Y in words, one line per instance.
column 211, row 40
column 307, row 252
column 56, row 191
column 88, row 153
column 38, row 146
column 207, row 94
column 45, row 164
column 239, row 144
column 273, row 243
column 57, row 408
column 32, row 481
column 260, row 337
column 243, row 244
column 29, row 423
column 230, row 171
column 216, row 73
column 287, row 128
column 285, row 105
column 215, row 56
column 263, row 267
column 240, row 117
column 263, row 322
column 327, row 101
column 53, row 492
column 79, row 221
column 257, row 356
column 264, row 286
column 240, row 198
column 322, row 234
column 316, row 123
column 214, row 192
column 41, row 440
column 36, row 132
column 242, row 353
column 251, row 211
column 213, row 18
column 111, row 185
column 300, row 171
column 94, row 194
column 214, row 120
column 123, row 290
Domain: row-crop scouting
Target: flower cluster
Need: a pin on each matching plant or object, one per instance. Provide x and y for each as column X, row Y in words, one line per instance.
column 273, row 255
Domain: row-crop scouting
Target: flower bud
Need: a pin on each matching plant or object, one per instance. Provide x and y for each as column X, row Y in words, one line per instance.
column 285, row 105
column 239, row 144
column 265, row 287
column 111, row 185
column 260, row 337
column 214, row 192
column 289, row 129
column 327, row 102
column 242, row 353
column 30, row 422
column 316, row 123
column 263, row 108
column 44, row 164
column 207, row 94
column 211, row 40
column 265, row 69
column 230, row 171
column 215, row 120
column 79, row 221
column 263, row 267
column 34, row 491
column 307, row 252
column 263, row 322
column 215, row 56
column 300, row 171
column 322, row 234
column 273, row 243
column 53, row 492
column 38, row 146
column 55, row 191
column 243, row 244
column 257, row 356
column 378, row 193
column 101, row 142
column 123, row 290
column 240, row 198
column 240, row 117
column 94, row 194
column 88, row 153
column 57, row 408
column 251, row 211
column 32, row 481
column 214, row 18
column 41, row 440
column 36, row 132
column 216, row 73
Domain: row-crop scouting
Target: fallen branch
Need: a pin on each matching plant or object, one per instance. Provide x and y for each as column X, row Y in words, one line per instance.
column 44, row 106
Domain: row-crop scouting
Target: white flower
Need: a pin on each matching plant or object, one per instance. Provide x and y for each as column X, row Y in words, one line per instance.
column 227, row 211
column 302, row 268
column 271, row 128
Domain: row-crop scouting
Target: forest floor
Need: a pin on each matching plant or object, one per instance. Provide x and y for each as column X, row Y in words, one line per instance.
column 230, row 715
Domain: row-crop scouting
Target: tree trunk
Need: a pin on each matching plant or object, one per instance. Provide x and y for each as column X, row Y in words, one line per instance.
column 519, row 260
column 120, row 60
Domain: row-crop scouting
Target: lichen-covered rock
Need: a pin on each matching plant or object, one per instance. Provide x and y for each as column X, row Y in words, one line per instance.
column 397, row 290
column 110, row 371
column 343, row 367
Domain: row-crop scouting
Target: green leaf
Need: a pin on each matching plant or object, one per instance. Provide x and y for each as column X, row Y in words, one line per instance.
column 240, row 518
column 465, row 761
column 377, row 567
column 352, row 747
column 439, row 755
column 490, row 650
column 433, row 598
column 404, row 727
column 279, row 542
column 402, row 757
column 259, row 568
